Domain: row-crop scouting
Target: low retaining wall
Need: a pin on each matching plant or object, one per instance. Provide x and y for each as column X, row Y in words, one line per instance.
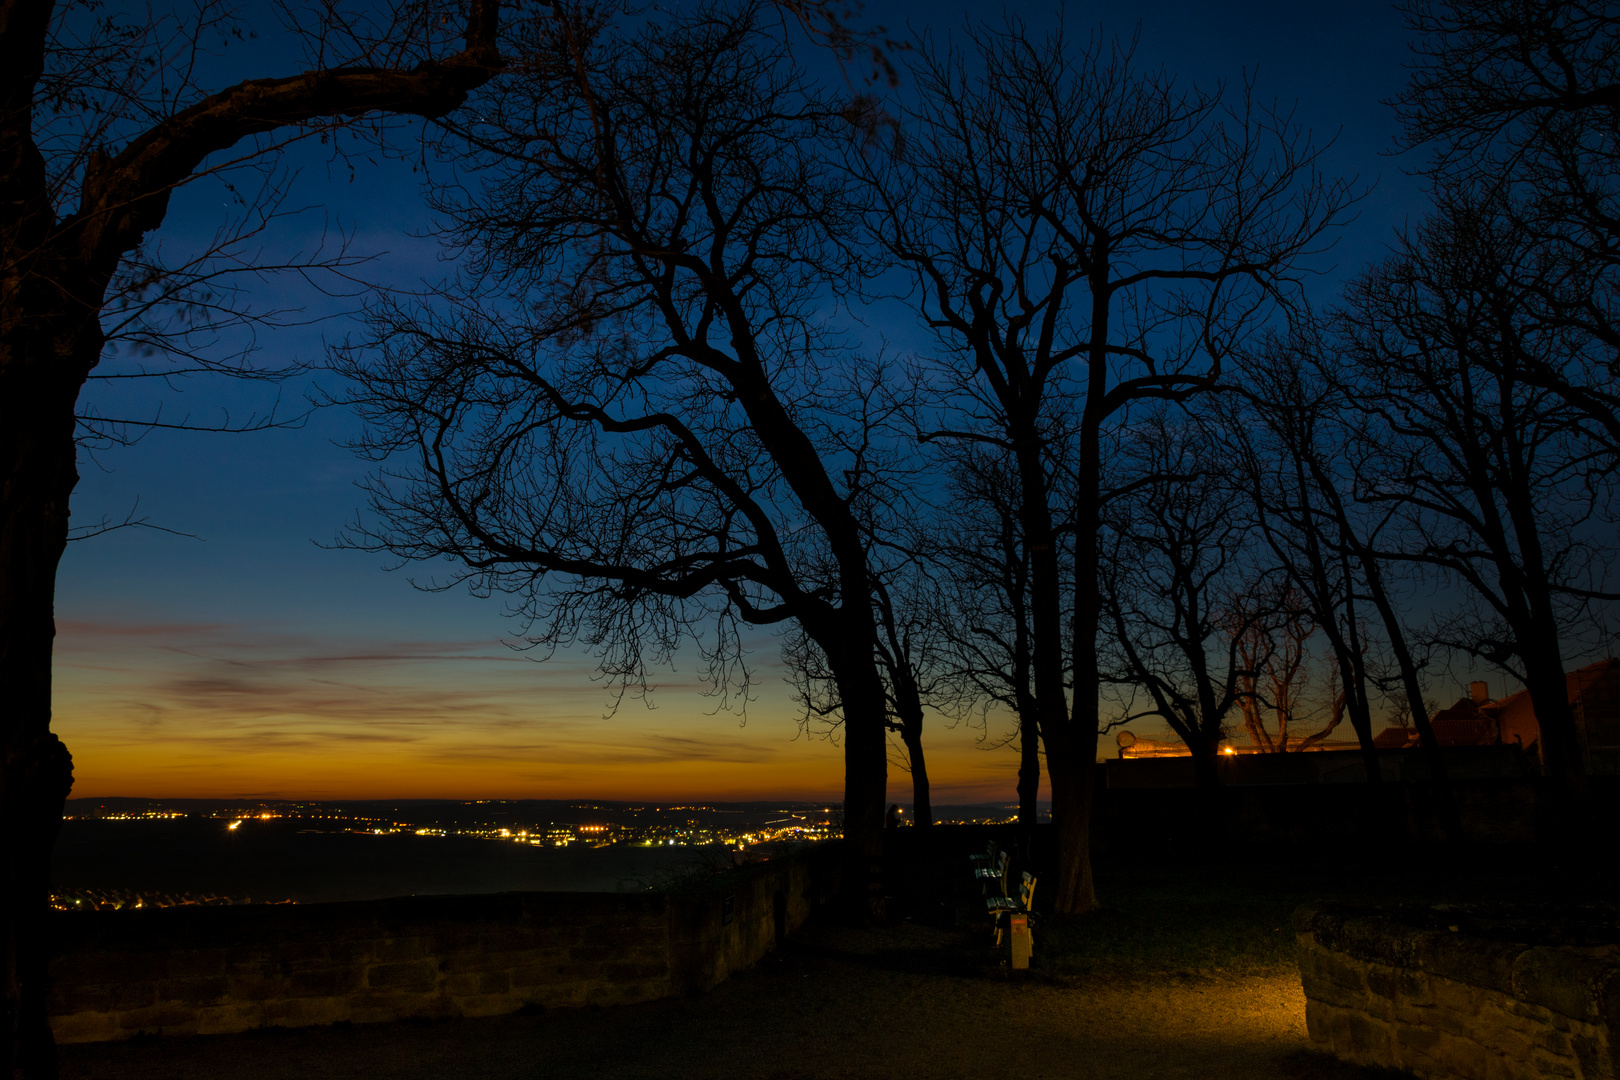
column 210, row 970
column 1477, row 992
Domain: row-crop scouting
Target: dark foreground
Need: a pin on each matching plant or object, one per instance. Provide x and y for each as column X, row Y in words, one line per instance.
column 1188, row 973
column 902, row 1002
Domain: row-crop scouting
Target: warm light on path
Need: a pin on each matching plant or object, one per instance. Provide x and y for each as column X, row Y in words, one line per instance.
column 880, row 1005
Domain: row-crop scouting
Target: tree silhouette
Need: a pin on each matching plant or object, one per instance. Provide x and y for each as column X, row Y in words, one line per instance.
column 98, row 127
column 1495, row 478
column 631, row 412
column 1078, row 229
column 1185, row 586
column 1518, row 104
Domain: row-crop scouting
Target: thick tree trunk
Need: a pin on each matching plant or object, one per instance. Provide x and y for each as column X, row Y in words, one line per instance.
column 1071, row 762
column 1029, row 775
column 38, row 458
column 35, row 778
column 1206, row 761
column 849, row 649
column 1068, row 765
column 1548, row 686
column 1361, row 721
column 866, row 780
column 1072, row 781
column 53, row 279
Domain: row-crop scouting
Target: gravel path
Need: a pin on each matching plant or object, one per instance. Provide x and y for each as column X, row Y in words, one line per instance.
column 904, row 1002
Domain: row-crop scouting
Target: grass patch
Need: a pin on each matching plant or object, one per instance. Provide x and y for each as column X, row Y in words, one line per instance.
column 1175, row 928
column 1196, row 915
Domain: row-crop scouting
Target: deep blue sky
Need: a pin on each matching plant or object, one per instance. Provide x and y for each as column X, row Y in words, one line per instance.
column 177, row 654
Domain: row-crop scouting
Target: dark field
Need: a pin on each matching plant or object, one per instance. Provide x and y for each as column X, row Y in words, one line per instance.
column 273, row 860
column 1189, row 910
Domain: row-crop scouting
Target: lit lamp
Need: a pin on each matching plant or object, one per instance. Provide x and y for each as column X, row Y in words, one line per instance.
column 1125, row 740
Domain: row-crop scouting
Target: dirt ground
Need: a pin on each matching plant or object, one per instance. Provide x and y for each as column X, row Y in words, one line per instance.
column 904, row 1001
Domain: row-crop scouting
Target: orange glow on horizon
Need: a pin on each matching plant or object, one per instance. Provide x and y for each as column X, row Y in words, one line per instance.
column 190, row 712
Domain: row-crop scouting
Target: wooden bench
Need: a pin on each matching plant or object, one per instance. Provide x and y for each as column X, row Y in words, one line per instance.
column 1000, row 905
column 994, row 873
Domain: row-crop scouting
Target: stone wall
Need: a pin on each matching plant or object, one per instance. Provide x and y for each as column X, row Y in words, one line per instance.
column 1474, row 992
column 219, row 969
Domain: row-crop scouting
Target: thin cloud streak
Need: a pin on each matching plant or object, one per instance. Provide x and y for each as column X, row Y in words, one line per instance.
column 224, row 709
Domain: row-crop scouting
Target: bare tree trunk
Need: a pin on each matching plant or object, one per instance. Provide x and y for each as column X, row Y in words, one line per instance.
column 922, row 806
column 1547, row 685
column 1075, row 757
column 1433, row 756
column 866, row 761
column 36, row 771
column 54, row 274
column 1205, row 758
column 1069, row 764
column 866, row 781
column 1029, row 774
column 911, row 724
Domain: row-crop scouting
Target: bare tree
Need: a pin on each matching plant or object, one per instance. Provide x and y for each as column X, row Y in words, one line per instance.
column 1075, row 226
column 1276, row 672
column 1191, row 605
column 1277, row 425
column 1519, row 103
column 912, row 619
column 99, row 124
column 1298, row 440
column 634, row 411
column 1495, row 478
column 988, row 625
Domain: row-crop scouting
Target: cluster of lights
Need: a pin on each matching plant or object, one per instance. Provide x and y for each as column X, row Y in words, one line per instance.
column 128, row 815
column 658, row 827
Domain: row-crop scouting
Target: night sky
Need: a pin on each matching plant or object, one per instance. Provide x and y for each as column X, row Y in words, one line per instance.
column 254, row 662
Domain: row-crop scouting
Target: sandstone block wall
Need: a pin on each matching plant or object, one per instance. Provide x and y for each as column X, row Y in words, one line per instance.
column 1475, row 993
column 220, row 969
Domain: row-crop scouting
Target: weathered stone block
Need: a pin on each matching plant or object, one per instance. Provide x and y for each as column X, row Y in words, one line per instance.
column 100, row 998
column 1594, row 1052
column 1416, row 1042
column 85, row 1027
column 630, row 971
column 404, row 948
column 1557, row 980
column 255, row 985
column 226, row 1019
column 166, row 1018
column 305, row 1012
column 534, row 975
column 302, row 951
column 578, row 971
column 382, row 1008
column 328, row 982
column 1469, row 1008
column 1413, row 987
column 477, row 960
column 411, row 975
column 1369, row 1037
column 1382, row 982
column 207, row 990
column 487, row 1005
